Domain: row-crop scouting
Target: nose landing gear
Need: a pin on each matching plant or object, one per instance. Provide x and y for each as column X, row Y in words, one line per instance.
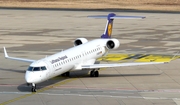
column 33, row 89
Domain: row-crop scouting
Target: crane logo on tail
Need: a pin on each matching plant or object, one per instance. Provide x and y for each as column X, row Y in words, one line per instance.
column 109, row 29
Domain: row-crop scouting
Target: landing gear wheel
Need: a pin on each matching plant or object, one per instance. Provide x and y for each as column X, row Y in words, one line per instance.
column 94, row 73
column 33, row 89
column 91, row 74
column 66, row 74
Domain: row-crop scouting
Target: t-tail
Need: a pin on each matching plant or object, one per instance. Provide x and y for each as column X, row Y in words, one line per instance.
column 109, row 25
column 108, row 29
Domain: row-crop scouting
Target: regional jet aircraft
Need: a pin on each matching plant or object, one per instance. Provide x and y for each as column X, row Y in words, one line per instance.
column 80, row 57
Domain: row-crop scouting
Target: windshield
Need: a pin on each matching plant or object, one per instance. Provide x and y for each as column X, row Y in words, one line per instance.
column 30, row 68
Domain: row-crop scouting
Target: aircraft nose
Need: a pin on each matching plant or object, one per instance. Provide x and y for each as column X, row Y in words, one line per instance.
column 29, row 77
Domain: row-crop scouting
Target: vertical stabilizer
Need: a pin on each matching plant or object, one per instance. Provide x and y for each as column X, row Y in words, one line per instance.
column 109, row 25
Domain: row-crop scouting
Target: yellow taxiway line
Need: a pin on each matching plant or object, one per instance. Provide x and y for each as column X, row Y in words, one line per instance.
column 38, row 91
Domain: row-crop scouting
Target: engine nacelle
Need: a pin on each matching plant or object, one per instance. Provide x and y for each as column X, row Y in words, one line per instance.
column 112, row 44
column 80, row 41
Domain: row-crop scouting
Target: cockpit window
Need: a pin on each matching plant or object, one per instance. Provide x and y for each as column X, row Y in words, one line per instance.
column 36, row 69
column 43, row 68
column 30, row 68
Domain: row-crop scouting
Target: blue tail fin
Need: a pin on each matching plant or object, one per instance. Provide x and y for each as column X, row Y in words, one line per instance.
column 109, row 25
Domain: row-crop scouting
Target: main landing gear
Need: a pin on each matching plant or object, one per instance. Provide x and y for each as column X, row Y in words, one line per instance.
column 33, row 89
column 94, row 73
column 66, row 74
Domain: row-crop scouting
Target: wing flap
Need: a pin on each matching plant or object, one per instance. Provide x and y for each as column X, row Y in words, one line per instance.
column 118, row 65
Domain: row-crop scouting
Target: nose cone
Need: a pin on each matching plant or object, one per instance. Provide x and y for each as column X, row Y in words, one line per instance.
column 29, row 77
column 33, row 77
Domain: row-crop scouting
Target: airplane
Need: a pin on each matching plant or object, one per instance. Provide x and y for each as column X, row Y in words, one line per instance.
column 81, row 56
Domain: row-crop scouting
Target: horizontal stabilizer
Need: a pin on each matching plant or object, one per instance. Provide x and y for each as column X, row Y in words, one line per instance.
column 110, row 18
column 116, row 17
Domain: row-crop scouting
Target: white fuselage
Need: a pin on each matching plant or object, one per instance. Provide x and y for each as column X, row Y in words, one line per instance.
column 68, row 60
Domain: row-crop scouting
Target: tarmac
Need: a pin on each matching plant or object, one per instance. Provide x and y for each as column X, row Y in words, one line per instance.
column 35, row 34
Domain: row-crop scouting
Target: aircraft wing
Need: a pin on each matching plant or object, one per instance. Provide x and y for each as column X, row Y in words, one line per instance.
column 17, row 59
column 119, row 57
column 119, row 65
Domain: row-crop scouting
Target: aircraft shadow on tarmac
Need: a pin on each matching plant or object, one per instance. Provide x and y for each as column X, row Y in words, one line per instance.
column 76, row 74
column 58, row 79
column 85, row 74
column 117, row 75
column 25, row 88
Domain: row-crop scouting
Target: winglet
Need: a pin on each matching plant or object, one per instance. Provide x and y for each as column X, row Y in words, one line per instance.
column 174, row 56
column 5, row 53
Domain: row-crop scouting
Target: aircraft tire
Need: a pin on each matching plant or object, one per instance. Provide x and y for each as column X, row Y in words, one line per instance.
column 33, row 89
column 96, row 74
column 92, row 73
column 67, row 74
